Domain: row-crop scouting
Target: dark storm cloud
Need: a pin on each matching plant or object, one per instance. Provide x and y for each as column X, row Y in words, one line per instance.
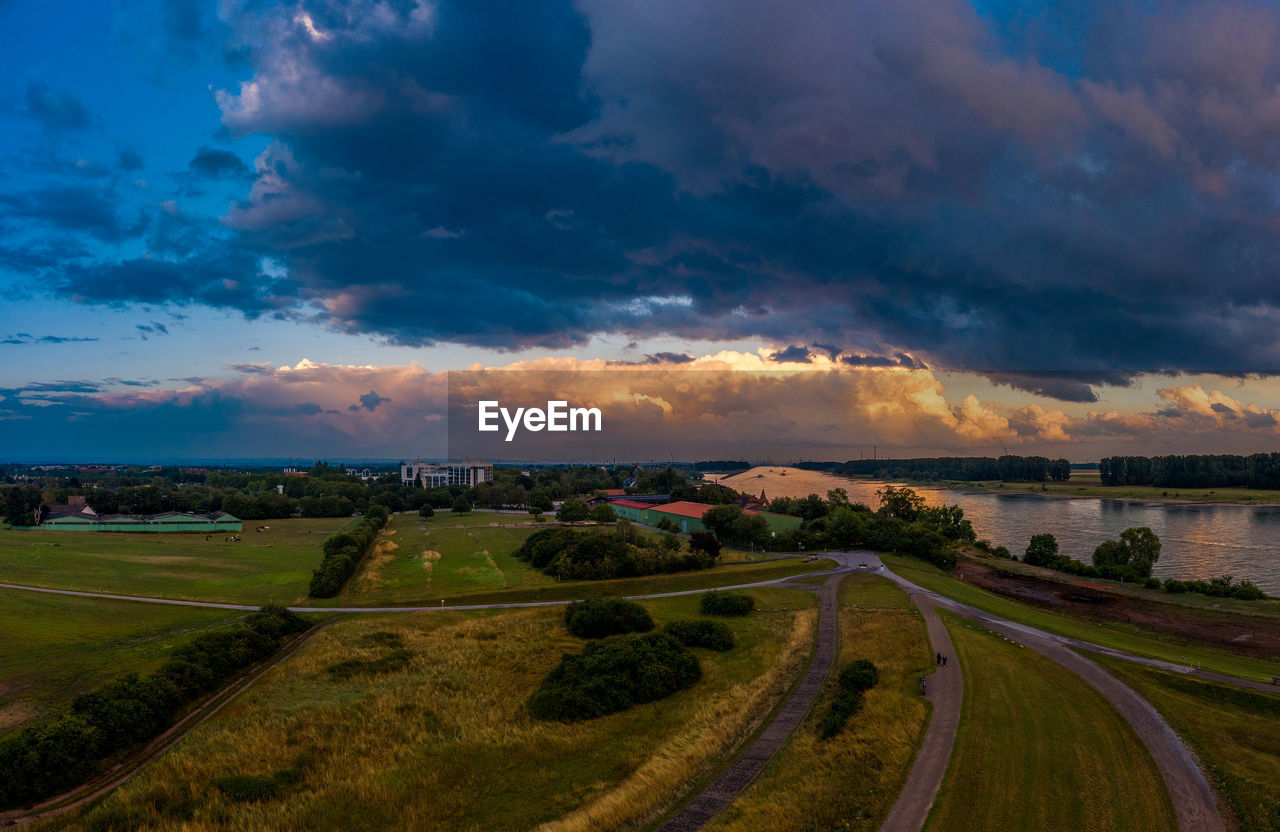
column 56, row 110
column 216, row 163
column 369, row 401
column 1025, row 192
column 794, row 354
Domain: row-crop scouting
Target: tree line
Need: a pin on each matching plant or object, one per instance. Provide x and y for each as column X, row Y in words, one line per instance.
column 343, row 551
column 55, row 754
column 1007, row 468
column 1193, row 470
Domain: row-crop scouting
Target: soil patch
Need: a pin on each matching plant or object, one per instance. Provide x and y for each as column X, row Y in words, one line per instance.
column 1255, row 637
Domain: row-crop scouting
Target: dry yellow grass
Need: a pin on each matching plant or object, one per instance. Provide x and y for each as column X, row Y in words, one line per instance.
column 851, row 780
column 445, row 742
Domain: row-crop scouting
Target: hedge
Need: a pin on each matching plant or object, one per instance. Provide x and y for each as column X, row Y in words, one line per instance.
column 343, row 551
column 53, row 755
column 726, row 603
column 854, row 680
column 713, row 635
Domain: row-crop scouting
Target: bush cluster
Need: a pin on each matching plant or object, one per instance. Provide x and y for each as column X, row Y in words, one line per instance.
column 1218, row 588
column 622, row 552
column 343, row 550
column 601, row 617
column 726, row 603
column 854, row 680
column 53, row 755
column 713, row 635
column 613, row 674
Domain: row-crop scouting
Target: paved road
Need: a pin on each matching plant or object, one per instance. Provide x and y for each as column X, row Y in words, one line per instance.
column 716, row 797
column 1194, row 802
column 945, row 689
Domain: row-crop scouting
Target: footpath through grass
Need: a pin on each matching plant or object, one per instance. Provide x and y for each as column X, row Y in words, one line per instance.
column 418, row 563
column 1234, row 732
column 1124, row 637
column 54, row 648
column 270, row 566
column 849, row 782
column 1039, row 749
column 418, row 722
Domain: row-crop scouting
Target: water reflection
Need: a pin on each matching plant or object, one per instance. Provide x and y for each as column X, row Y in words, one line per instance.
column 1200, row 541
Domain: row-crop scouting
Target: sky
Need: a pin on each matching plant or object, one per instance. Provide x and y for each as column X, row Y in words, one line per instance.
column 1026, row 227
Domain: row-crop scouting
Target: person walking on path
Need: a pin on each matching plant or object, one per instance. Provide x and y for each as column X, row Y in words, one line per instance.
column 937, row 658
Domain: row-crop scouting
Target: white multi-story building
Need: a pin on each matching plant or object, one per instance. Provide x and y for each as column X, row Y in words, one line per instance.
column 469, row 472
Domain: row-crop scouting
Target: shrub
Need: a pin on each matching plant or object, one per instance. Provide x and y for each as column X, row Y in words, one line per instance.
column 726, row 603
column 426, row 512
column 855, row 679
column 859, row 676
column 1151, row 583
column 846, row 705
column 713, row 635
column 613, row 674
column 601, row 617
column 621, row 552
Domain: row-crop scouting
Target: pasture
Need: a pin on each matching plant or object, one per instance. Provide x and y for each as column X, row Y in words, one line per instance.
column 269, row 566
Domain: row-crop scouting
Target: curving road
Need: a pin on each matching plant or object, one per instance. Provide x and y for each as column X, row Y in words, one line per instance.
column 1193, row 799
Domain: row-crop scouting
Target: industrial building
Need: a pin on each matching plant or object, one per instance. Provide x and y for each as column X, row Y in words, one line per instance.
column 82, row 518
column 688, row 515
column 469, row 473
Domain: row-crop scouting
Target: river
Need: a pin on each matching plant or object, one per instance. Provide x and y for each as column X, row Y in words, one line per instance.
column 1199, row 541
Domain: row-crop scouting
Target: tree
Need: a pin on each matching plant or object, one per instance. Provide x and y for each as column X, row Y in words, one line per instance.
column 426, row 512
column 573, row 510
column 902, row 503
column 706, row 543
column 461, row 505
column 603, row 513
column 721, row 520
column 1042, row 550
column 1144, row 549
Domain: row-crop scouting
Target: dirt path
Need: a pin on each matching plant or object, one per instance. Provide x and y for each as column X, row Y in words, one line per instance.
column 1193, row 799
column 716, row 797
column 115, row 776
column 945, row 689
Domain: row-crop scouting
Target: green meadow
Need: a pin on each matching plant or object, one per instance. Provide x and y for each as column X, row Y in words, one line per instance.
column 54, row 648
column 270, row 566
column 1042, row 749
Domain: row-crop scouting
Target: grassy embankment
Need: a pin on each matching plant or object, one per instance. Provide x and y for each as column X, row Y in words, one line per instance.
column 1269, row 608
column 1042, row 750
column 56, row 648
column 850, row 781
column 1125, row 637
column 1089, row 485
column 270, row 566
column 440, row 739
column 1235, row 733
column 422, row 563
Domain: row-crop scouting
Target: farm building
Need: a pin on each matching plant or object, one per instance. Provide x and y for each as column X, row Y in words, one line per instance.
column 82, row 518
column 633, row 510
column 688, row 516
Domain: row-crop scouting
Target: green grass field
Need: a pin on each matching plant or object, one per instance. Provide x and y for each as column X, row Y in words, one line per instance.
column 445, row 742
column 54, row 648
column 1119, row 636
column 422, row 563
column 274, row 565
column 850, row 781
column 1234, row 732
column 1039, row 749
